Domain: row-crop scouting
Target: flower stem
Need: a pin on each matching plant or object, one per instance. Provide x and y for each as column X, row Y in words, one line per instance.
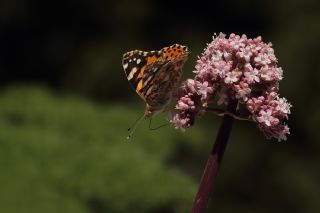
column 213, row 163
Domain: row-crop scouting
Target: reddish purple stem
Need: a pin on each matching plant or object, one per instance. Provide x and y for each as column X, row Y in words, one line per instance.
column 213, row 163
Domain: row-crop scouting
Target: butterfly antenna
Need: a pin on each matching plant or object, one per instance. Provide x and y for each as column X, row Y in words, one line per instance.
column 134, row 126
column 158, row 127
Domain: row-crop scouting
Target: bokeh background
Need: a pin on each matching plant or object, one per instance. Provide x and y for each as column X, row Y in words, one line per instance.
column 65, row 106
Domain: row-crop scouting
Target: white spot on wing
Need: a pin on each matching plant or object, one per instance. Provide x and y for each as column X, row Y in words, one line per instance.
column 131, row 74
column 125, row 66
column 147, row 81
column 138, row 61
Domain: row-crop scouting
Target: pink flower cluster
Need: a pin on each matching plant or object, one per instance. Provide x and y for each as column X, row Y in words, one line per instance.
column 236, row 68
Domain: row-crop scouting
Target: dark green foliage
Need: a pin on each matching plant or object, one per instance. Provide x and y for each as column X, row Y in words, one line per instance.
column 64, row 155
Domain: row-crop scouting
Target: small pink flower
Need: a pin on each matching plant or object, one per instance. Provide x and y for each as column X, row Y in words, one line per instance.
column 221, row 68
column 283, row 106
column 182, row 106
column 279, row 132
column 217, row 56
column 190, row 85
column 267, row 119
column 254, row 104
column 245, row 53
column 185, row 103
column 262, row 59
column 270, row 96
column 180, row 122
column 247, row 67
column 227, row 56
column 278, row 73
column 254, row 47
column 242, row 91
column 282, row 132
column 232, row 77
column 251, row 76
column 267, row 74
column 236, row 42
column 204, row 89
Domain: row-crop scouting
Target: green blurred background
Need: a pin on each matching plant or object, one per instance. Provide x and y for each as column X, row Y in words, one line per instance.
column 65, row 106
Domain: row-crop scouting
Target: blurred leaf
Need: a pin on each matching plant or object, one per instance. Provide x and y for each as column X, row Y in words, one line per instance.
column 69, row 156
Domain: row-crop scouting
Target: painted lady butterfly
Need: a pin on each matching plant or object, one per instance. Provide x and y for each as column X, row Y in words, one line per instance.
column 155, row 75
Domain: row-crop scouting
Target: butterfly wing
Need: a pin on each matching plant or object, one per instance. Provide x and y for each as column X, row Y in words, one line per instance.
column 154, row 75
column 151, row 78
column 140, row 67
column 162, row 85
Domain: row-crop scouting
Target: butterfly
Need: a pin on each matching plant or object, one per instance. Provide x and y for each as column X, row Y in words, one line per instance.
column 155, row 75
